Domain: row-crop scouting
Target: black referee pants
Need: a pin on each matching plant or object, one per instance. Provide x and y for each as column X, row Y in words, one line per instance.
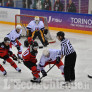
column 69, row 67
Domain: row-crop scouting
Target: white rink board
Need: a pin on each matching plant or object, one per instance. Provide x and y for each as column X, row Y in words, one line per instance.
column 8, row 15
column 83, row 46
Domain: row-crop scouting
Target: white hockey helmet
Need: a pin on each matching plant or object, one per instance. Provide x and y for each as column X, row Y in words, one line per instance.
column 46, row 53
column 37, row 19
column 18, row 27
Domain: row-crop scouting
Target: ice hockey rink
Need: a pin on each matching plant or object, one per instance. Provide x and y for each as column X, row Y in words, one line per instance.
column 53, row 82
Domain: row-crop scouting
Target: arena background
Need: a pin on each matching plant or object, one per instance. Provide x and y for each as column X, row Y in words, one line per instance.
column 80, row 22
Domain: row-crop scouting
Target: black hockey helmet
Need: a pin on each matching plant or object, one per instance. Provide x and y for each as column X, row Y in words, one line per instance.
column 34, row 44
column 26, row 44
column 6, row 39
column 61, row 33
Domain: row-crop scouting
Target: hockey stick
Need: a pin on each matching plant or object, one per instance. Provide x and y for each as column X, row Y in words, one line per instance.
column 49, row 70
column 89, row 76
column 17, row 56
column 40, row 47
column 23, row 25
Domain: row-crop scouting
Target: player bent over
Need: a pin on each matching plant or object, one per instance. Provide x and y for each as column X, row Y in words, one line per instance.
column 50, row 56
column 5, row 54
column 36, row 28
column 14, row 37
column 29, row 60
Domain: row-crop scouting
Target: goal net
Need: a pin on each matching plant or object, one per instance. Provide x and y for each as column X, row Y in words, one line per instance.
column 24, row 20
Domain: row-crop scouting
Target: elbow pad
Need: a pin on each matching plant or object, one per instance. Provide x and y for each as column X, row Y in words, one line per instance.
column 29, row 28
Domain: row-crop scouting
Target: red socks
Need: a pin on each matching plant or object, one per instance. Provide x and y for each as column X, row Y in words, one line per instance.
column 1, row 68
column 13, row 64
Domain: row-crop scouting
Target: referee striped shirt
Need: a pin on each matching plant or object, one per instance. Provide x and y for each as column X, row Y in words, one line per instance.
column 66, row 47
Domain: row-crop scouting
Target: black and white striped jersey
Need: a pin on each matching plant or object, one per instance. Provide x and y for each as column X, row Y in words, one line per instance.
column 66, row 47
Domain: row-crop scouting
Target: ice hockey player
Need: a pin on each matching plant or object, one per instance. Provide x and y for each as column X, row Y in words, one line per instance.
column 50, row 56
column 29, row 60
column 5, row 54
column 36, row 28
column 27, row 41
column 14, row 37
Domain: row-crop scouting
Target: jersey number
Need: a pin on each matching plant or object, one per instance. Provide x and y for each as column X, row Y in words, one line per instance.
column 26, row 53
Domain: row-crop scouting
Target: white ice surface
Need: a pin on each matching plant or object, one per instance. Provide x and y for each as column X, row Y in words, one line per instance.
column 83, row 46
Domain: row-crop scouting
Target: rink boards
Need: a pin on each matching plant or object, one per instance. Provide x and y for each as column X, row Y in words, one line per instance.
column 59, row 21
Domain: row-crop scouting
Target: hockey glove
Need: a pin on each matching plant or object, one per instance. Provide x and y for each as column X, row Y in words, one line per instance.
column 26, row 44
column 6, row 57
column 43, row 73
column 18, row 47
column 57, row 60
column 10, row 53
column 45, row 31
column 19, row 37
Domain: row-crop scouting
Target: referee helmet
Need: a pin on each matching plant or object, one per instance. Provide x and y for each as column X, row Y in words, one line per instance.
column 61, row 33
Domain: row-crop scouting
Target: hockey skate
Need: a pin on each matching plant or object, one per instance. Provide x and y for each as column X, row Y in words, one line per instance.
column 36, row 80
column 18, row 69
column 4, row 62
column 66, row 84
column 4, row 73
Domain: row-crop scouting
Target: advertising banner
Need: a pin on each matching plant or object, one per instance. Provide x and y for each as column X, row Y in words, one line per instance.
column 8, row 15
column 64, row 20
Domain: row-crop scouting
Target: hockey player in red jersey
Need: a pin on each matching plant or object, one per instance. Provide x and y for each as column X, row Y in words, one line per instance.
column 5, row 54
column 29, row 59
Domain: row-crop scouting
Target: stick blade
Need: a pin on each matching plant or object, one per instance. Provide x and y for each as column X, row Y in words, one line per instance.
column 40, row 47
column 89, row 76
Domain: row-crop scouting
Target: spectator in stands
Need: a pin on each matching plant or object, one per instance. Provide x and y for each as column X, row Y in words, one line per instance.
column 10, row 3
column 58, row 6
column 47, row 5
column 24, row 3
column 29, row 3
column 42, row 3
column 39, row 5
column 0, row 2
column 34, row 4
column 71, row 7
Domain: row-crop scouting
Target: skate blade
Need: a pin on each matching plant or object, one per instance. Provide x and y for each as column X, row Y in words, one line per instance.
column 89, row 76
column 33, row 81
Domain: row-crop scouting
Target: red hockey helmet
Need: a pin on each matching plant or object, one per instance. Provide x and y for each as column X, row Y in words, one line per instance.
column 30, row 40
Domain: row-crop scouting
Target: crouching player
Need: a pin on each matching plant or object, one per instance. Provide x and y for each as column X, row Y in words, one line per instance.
column 36, row 28
column 5, row 54
column 29, row 60
column 50, row 56
column 14, row 37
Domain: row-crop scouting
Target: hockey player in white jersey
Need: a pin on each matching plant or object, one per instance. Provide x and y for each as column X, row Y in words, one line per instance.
column 50, row 56
column 14, row 37
column 36, row 28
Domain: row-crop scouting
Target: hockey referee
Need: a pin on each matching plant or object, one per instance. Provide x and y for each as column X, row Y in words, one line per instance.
column 68, row 51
